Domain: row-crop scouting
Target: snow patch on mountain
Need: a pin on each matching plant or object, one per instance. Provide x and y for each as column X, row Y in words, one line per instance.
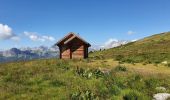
column 113, row 43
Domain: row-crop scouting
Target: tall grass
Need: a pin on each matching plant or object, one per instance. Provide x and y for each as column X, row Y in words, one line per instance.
column 68, row 79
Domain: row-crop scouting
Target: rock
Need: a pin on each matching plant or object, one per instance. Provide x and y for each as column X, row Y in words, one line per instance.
column 161, row 96
column 165, row 62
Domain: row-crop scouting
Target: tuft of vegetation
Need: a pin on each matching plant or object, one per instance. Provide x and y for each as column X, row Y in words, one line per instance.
column 168, row 64
column 89, row 73
column 85, row 95
column 120, row 68
column 134, row 95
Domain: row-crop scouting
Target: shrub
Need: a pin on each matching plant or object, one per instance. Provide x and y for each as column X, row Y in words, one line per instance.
column 57, row 83
column 119, row 57
column 63, row 65
column 168, row 64
column 120, row 62
column 129, row 60
column 134, row 95
column 115, row 90
column 8, row 77
column 144, row 63
column 75, row 96
column 91, row 52
column 120, row 68
column 136, row 82
column 147, row 62
column 100, row 57
column 151, row 83
column 85, row 95
column 157, row 61
column 98, row 73
column 111, row 80
column 89, row 73
column 102, row 90
column 84, row 73
column 88, row 60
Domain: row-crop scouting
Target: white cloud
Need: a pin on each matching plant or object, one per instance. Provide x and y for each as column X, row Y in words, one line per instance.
column 7, row 33
column 50, row 38
column 134, row 40
column 35, row 37
column 131, row 32
column 15, row 38
column 113, row 43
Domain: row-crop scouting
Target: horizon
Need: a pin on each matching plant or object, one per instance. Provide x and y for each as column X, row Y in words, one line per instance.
column 42, row 23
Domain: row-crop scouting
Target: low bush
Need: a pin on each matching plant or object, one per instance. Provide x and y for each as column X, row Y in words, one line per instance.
column 98, row 57
column 97, row 73
column 102, row 90
column 112, row 80
column 89, row 73
column 120, row 68
column 136, row 82
column 168, row 64
column 115, row 90
column 119, row 57
column 157, row 62
column 152, row 83
column 57, row 83
column 134, row 95
column 120, row 62
column 85, row 95
column 147, row 62
column 63, row 64
column 128, row 60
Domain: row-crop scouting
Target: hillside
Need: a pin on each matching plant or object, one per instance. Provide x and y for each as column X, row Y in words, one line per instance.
column 153, row 49
column 129, row 72
column 81, row 80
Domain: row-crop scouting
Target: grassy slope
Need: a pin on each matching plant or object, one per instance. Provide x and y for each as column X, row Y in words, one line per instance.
column 154, row 49
column 59, row 79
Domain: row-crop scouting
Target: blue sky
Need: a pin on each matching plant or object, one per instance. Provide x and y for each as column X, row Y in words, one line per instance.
column 97, row 21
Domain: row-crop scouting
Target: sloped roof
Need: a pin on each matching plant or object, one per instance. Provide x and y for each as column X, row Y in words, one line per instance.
column 70, row 36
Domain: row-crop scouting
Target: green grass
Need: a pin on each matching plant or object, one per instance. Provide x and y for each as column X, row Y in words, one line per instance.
column 128, row 72
column 77, row 79
column 154, row 49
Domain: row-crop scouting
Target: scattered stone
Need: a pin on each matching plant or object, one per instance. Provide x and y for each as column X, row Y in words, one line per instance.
column 161, row 96
column 165, row 62
column 105, row 71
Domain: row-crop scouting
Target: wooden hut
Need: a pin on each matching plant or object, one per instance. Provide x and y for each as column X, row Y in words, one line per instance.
column 73, row 46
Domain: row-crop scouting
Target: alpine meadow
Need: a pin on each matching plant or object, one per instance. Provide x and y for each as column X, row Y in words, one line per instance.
column 134, row 71
column 84, row 49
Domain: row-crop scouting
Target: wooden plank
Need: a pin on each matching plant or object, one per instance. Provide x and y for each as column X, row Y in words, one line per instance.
column 77, row 56
column 79, row 53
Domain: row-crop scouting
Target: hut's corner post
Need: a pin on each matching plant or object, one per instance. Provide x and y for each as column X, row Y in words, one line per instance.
column 60, row 52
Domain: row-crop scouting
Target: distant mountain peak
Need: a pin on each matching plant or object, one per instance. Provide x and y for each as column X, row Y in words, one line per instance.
column 27, row 53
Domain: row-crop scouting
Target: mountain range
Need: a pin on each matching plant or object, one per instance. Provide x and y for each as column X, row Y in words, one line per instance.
column 27, row 53
column 15, row 54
